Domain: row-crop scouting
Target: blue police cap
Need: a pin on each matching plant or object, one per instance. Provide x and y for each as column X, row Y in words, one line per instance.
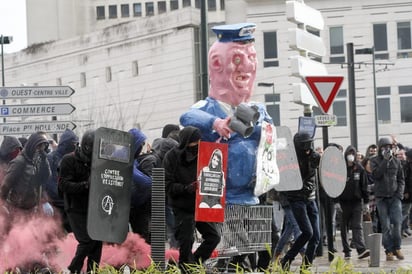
column 242, row 32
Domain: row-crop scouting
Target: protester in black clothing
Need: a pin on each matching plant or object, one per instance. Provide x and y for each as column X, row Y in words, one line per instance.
column 22, row 184
column 303, row 204
column 67, row 144
column 9, row 149
column 353, row 200
column 74, row 182
column 407, row 194
column 180, row 165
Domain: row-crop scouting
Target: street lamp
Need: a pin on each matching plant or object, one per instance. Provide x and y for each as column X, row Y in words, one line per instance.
column 4, row 40
column 372, row 51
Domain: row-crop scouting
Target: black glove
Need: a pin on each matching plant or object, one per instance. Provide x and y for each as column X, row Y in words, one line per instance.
column 387, row 154
column 314, row 159
column 191, row 188
column 85, row 184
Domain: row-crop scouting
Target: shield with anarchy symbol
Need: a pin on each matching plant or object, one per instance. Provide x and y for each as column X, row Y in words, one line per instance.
column 111, row 176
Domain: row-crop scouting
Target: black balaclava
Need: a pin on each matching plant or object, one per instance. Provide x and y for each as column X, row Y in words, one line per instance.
column 189, row 135
column 34, row 140
column 86, row 146
column 303, row 142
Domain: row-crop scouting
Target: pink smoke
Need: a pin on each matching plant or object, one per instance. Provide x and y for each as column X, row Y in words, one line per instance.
column 39, row 240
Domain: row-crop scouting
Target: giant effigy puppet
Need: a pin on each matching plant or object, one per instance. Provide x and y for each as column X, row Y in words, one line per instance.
column 227, row 115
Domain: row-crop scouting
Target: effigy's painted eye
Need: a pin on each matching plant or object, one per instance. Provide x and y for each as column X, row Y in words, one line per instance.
column 237, row 60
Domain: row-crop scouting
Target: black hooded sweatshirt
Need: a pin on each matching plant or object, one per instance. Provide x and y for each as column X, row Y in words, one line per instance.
column 181, row 171
column 356, row 187
column 26, row 173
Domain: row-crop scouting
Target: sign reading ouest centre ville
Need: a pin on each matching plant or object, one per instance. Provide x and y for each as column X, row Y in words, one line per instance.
column 35, row 92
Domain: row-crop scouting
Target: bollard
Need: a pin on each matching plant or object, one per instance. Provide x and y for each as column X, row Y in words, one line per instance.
column 367, row 230
column 375, row 240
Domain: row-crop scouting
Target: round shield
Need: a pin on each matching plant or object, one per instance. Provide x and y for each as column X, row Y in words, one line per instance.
column 332, row 171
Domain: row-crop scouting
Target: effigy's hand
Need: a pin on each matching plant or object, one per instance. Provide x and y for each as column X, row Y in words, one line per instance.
column 221, row 126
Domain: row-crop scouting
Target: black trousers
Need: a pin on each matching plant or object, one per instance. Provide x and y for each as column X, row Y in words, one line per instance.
column 139, row 219
column 184, row 232
column 86, row 247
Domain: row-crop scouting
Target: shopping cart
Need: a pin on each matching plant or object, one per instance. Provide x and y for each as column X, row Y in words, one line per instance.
column 245, row 230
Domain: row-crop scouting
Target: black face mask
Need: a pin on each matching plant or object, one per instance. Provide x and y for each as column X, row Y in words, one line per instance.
column 191, row 152
column 193, row 149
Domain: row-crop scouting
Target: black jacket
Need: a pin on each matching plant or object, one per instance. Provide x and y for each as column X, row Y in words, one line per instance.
column 73, row 182
column 408, row 181
column 388, row 177
column 180, row 173
column 356, row 187
column 308, row 163
column 25, row 175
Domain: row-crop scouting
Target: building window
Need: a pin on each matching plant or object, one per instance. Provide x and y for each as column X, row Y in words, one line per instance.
column 124, row 8
column 161, row 7
column 108, row 74
column 405, row 98
column 135, row 68
column 112, row 11
column 222, row 4
column 272, row 101
column 174, row 4
column 197, row 4
column 211, row 5
column 339, row 108
column 83, row 79
column 383, row 99
column 100, row 13
column 270, row 49
column 336, row 45
column 380, row 41
column 404, row 40
column 149, row 9
column 186, row 3
column 137, row 9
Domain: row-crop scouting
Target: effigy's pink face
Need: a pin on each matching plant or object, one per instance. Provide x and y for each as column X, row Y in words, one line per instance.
column 232, row 70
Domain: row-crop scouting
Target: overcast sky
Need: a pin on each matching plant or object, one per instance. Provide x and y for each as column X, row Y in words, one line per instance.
column 13, row 23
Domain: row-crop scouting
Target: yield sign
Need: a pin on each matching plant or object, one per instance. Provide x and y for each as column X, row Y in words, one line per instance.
column 324, row 89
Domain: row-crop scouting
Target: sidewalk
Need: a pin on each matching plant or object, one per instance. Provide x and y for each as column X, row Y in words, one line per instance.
column 322, row 265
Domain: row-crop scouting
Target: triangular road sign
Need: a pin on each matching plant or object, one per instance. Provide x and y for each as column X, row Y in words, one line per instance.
column 324, row 89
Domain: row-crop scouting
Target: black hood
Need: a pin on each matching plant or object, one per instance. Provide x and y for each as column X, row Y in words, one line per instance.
column 188, row 135
column 66, row 142
column 9, row 144
column 349, row 149
column 34, row 140
column 162, row 145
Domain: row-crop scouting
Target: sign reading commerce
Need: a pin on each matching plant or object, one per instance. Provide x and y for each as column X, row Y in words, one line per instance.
column 35, row 92
column 36, row 110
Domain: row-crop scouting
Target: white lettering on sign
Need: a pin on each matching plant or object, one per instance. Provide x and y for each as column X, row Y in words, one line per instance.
column 112, row 177
column 31, row 127
column 36, row 92
column 33, row 110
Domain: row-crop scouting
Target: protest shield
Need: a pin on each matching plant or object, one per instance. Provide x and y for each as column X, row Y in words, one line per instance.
column 332, row 171
column 111, row 176
column 289, row 172
column 267, row 171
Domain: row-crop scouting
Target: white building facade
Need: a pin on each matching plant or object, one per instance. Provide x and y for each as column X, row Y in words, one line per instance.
column 144, row 71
